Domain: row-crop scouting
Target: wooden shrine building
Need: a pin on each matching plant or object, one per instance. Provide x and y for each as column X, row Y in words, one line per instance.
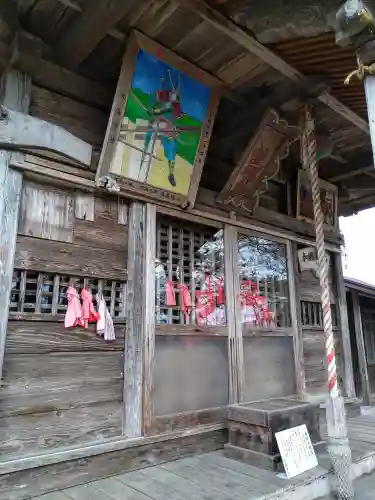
column 150, row 155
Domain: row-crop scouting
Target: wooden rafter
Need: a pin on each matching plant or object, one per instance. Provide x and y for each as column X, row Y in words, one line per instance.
column 279, row 21
column 115, row 33
column 242, row 69
column 236, row 33
column 353, row 173
column 8, row 19
column 49, row 75
column 88, row 30
column 23, row 6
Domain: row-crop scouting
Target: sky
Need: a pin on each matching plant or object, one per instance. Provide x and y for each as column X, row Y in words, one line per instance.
column 148, row 74
column 359, row 232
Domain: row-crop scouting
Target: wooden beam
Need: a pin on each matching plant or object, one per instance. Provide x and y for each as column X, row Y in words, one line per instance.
column 140, row 324
column 88, row 30
column 133, row 354
column 265, row 220
column 149, row 318
column 21, row 131
column 53, row 77
column 365, row 384
column 61, row 173
column 344, row 327
column 304, row 18
column 15, row 91
column 104, row 446
column 242, row 70
column 214, row 18
column 235, row 341
column 8, row 20
column 85, row 122
column 114, row 33
column 3, row 56
column 369, row 198
column 352, row 173
column 295, row 311
column 24, row 6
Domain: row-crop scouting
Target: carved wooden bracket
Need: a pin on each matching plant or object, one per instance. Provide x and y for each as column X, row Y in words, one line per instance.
column 259, row 163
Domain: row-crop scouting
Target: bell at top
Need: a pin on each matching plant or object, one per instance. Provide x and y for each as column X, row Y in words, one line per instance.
column 355, row 23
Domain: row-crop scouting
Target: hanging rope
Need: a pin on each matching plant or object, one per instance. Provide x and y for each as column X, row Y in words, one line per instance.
column 309, row 162
column 361, row 71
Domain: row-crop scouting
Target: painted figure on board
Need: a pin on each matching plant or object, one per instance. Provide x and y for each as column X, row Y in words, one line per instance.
column 166, row 109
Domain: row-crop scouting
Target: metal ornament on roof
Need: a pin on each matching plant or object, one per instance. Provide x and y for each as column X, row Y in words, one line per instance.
column 354, row 21
column 355, row 27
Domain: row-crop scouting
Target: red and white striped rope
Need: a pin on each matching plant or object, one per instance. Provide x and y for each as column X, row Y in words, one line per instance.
column 310, row 163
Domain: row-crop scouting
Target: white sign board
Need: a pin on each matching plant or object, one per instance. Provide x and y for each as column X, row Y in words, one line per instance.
column 297, row 451
column 307, row 259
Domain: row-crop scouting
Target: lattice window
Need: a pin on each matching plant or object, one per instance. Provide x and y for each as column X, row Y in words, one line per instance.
column 264, row 289
column 190, row 267
column 43, row 293
column 312, row 314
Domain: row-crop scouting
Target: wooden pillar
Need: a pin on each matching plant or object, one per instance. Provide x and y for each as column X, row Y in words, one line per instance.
column 149, row 318
column 15, row 91
column 232, row 293
column 140, row 323
column 133, row 357
column 295, row 313
column 349, row 389
column 370, row 101
column 362, row 360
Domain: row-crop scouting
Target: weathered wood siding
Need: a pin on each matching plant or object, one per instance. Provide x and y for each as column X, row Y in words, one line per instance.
column 314, row 353
column 85, row 122
column 63, row 387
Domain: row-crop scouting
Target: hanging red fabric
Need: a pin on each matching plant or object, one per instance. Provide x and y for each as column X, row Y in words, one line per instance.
column 89, row 314
column 248, row 295
column 266, row 316
column 220, row 291
column 250, row 298
column 185, row 301
column 205, row 300
column 170, row 298
column 73, row 315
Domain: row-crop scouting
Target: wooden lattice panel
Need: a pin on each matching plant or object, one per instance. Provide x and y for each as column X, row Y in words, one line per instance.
column 43, row 293
column 184, row 252
column 312, row 314
column 263, row 272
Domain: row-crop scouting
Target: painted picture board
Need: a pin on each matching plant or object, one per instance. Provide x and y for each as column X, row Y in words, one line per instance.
column 160, row 124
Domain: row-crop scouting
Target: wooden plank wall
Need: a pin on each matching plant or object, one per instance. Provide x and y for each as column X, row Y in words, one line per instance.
column 191, row 374
column 86, row 122
column 314, row 338
column 278, row 379
column 63, row 387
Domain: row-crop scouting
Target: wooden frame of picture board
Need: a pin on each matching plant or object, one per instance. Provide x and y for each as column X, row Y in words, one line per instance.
column 323, row 184
column 138, row 41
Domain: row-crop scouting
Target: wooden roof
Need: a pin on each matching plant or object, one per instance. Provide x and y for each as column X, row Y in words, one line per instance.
column 80, row 44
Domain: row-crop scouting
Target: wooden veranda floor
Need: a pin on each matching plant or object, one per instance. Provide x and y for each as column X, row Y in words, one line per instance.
column 209, row 476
